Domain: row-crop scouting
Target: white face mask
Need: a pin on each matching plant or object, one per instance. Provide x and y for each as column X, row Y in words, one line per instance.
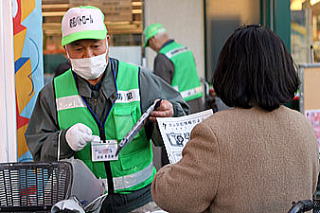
column 90, row 68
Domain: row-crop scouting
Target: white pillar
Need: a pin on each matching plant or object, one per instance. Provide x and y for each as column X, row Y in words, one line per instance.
column 8, row 127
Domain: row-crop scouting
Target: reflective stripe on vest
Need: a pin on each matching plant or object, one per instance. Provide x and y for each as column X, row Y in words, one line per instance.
column 128, row 96
column 176, row 51
column 191, row 92
column 75, row 101
column 128, row 181
column 69, row 102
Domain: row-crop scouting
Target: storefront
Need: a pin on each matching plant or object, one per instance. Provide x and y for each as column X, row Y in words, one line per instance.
column 201, row 25
column 32, row 51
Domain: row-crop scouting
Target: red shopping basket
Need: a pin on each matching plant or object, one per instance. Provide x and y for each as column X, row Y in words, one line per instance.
column 33, row 186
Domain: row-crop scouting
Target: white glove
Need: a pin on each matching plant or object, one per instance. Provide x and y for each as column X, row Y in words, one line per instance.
column 78, row 136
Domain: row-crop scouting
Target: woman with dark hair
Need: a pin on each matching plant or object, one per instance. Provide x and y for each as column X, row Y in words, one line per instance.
column 254, row 69
column 258, row 156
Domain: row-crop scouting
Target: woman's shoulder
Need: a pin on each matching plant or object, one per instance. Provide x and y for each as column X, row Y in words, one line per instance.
column 221, row 119
column 239, row 116
column 228, row 114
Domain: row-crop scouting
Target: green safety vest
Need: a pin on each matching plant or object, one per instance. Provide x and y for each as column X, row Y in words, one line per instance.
column 134, row 169
column 185, row 77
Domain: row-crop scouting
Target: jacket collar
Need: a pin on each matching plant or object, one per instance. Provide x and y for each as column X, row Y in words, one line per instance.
column 106, row 85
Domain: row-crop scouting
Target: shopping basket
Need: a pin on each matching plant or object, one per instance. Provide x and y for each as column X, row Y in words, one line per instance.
column 305, row 206
column 33, row 186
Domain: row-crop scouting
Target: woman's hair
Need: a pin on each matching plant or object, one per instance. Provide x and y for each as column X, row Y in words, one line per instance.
column 255, row 69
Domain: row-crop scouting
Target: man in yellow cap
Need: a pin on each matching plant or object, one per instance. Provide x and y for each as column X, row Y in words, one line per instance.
column 176, row 65
column 99, row 100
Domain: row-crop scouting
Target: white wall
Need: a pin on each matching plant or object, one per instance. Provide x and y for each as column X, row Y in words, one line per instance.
column 184, row 22
column 8, row 138
column 129, row 54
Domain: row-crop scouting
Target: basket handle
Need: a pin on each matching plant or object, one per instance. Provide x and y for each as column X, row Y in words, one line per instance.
column 59, row 145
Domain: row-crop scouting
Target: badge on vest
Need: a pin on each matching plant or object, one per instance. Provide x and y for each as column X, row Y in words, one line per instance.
column 104, row 150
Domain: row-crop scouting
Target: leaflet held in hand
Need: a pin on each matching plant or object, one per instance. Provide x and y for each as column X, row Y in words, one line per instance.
column 175, row 132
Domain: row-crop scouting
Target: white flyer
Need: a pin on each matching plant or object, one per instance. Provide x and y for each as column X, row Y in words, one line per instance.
column 175, row 132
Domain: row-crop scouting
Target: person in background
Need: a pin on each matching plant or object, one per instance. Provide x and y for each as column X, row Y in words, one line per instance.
column 258, row 156
column 176, row 65
column 101, row 98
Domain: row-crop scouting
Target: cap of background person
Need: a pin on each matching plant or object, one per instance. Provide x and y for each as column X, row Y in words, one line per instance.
column 84, row 22
column 152, row 30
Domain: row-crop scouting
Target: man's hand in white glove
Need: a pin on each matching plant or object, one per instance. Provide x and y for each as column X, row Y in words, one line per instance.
column 78, row 136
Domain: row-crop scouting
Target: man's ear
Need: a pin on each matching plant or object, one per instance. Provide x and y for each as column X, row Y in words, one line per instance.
column 66, row 51
column 107, row 42
column 150, row 41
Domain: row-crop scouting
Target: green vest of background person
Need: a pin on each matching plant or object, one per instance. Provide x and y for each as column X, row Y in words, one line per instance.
column 185, row 78
column 128, row 175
